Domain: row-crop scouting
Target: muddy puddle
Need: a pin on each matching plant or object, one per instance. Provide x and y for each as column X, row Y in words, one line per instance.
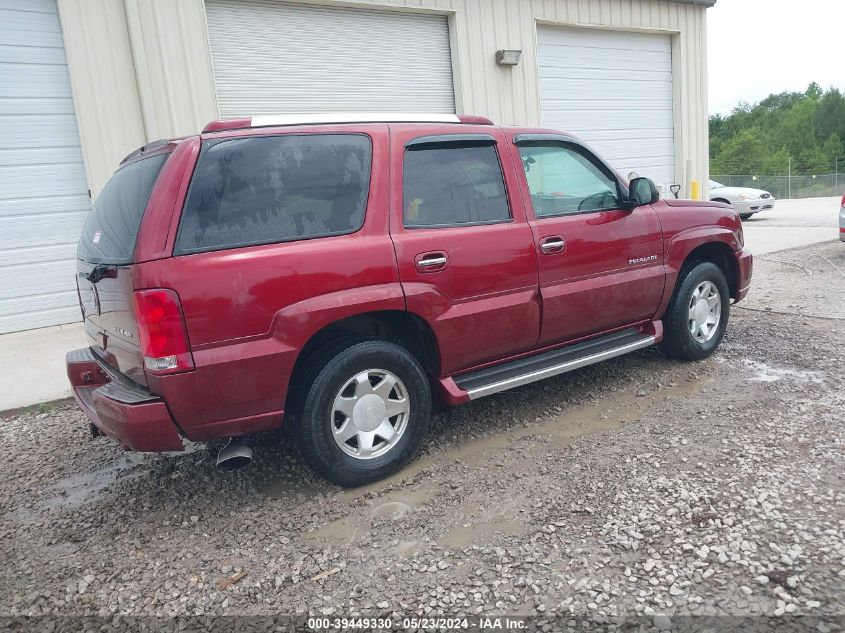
column 762, row 372
column 390, row 500
column 289, row 488
column 390, row 507
column 467, row 534
column 87, row 487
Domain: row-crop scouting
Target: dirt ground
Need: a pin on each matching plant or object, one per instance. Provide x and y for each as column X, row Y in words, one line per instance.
column 637, row 487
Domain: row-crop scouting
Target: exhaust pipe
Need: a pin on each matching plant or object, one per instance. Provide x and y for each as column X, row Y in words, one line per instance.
column 234, row 456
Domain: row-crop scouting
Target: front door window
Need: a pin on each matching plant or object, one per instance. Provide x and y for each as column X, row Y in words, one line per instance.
column 564, row 180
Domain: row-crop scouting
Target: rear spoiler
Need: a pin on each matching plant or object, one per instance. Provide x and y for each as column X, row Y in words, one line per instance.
column 151, row 148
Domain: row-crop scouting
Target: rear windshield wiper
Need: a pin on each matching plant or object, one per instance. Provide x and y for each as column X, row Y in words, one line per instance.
column 100, row 271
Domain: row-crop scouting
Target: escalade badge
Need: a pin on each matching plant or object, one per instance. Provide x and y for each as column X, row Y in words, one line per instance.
column 642, row 260
column 124, row 333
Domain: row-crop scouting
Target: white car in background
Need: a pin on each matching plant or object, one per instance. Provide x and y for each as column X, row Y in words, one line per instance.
column 745, row 200
column 842, row 220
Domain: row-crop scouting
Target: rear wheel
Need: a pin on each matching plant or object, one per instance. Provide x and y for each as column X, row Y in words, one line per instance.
column 697, row 315
column 365, row 411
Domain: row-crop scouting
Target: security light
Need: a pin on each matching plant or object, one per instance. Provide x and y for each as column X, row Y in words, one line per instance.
column 508, row 57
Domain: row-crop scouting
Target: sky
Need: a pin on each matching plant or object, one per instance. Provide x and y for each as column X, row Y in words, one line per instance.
column 759, row 47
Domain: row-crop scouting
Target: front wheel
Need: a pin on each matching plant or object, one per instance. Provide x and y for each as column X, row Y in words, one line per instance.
column 697, row 315
column 365, row 411
column 745, row 216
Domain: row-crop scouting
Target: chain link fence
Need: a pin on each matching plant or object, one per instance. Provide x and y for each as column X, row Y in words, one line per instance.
column 782, row 187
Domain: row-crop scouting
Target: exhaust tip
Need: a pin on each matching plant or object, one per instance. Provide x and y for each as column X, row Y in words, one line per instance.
column 234, row 456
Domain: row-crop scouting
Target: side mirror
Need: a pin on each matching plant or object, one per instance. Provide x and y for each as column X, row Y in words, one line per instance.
column 641, row 191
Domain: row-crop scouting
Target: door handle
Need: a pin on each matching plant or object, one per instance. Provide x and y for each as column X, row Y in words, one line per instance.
column 431, row 262
column 552, row 245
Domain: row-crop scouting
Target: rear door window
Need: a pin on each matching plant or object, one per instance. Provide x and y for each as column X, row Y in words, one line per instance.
column 262, row 190
column 111, row 229
column 452, row 185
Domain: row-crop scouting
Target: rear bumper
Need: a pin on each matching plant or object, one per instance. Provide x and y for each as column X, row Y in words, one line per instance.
column 744, row 266
column 120, row 408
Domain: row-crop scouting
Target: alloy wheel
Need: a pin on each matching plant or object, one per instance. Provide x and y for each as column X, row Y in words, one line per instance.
column 705, row 311
column 370, row 413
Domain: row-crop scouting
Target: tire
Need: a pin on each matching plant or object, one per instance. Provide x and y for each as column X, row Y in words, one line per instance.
column 346, row 388
column 678, row 338
column 745, row 216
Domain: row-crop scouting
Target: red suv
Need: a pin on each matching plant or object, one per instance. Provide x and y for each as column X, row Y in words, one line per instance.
column 341, row 273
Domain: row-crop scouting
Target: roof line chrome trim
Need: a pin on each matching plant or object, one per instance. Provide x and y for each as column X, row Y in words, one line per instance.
column 352, row 117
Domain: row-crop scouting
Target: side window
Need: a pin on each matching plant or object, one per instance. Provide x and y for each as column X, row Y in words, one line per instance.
column 450, row 184
column 261, row 190
column 564, row 179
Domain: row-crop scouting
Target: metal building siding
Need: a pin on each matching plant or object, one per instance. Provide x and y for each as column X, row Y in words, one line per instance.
column 43, row 190
column 173, row 96
column 169, row 38
column 102, row 78
column 273, row 57
column 614, row 90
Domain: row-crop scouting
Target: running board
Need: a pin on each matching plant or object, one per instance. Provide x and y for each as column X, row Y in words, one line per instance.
column 485, row 382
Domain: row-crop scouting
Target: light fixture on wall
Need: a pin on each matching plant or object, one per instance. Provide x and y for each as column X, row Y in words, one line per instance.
column 508, row 57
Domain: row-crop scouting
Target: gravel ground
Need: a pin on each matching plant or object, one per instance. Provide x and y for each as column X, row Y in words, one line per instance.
column 640, row 486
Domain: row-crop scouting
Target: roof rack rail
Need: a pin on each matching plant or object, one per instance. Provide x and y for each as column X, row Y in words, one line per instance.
column 343, row 117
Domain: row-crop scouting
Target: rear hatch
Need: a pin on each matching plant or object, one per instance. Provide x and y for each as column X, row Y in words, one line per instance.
column 104, row 265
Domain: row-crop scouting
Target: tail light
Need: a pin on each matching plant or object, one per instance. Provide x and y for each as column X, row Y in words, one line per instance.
column 843, row 202
column 161, row 327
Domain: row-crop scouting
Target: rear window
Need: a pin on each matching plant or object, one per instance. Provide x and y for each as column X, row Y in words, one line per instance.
column 261, row 190
column 111, row 229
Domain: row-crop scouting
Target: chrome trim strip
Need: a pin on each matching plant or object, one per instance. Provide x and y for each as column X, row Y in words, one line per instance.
column 434, row 261
column 352, row 117
column 442, row 139
column 540, row 374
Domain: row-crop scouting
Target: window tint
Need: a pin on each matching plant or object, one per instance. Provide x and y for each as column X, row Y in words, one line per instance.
column 112, row 226
column 452, row 184
column 563, row 180
column 261, row 190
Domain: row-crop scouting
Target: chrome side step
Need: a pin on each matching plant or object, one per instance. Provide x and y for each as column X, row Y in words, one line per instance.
column 485, row 382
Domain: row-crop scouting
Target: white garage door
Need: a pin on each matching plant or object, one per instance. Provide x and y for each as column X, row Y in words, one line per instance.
column 43, row 192
column 272, row 57
column 613, row 90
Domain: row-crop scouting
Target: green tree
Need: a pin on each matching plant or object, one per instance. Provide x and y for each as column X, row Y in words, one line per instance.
column 760, row 139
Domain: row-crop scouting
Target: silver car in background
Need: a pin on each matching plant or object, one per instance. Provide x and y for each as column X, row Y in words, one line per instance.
column 745, row 200
column 842, row 220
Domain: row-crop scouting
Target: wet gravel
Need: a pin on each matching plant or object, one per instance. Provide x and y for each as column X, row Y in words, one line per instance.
column 641, row 486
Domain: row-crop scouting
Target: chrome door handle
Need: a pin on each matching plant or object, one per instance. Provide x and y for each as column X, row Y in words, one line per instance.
column 431, row 263
column 552, row 245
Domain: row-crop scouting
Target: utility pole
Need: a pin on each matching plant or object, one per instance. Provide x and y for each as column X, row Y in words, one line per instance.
column 836, row 176
column 789, row 179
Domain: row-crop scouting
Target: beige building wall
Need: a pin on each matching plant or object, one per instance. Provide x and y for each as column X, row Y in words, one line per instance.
column 141, row 69
column 102, row 79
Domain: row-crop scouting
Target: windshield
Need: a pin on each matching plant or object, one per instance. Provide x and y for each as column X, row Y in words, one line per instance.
column 112, row 226
column 715, row 185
